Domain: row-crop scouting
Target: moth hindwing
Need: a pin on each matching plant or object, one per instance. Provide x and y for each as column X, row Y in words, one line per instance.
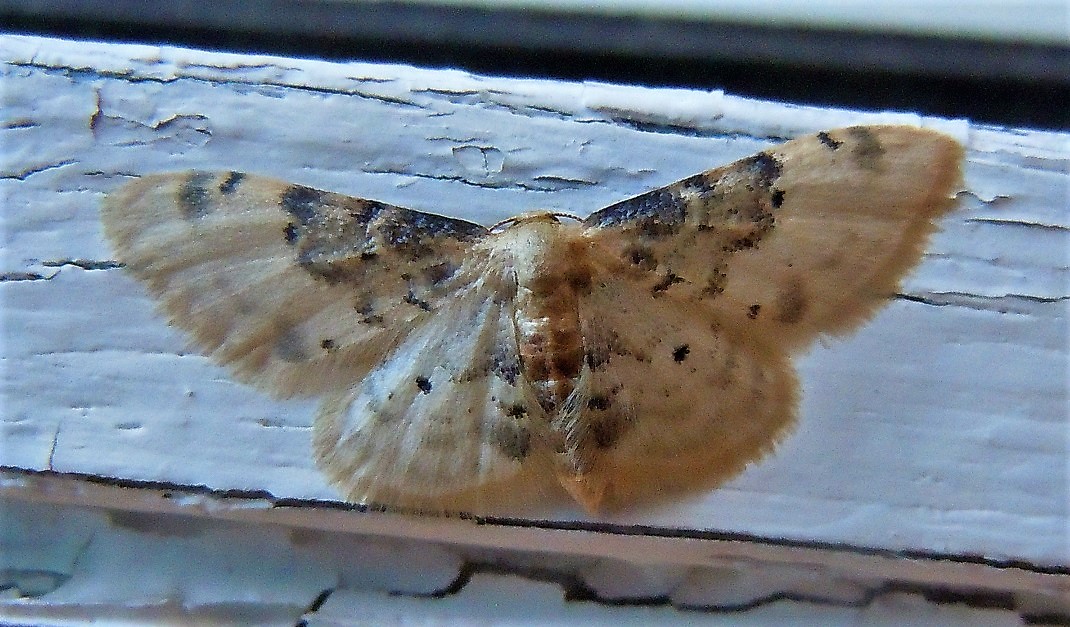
column 642, row 351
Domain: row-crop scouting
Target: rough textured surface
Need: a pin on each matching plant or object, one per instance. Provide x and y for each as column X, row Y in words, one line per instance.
column 62, row 564
column 934, row 430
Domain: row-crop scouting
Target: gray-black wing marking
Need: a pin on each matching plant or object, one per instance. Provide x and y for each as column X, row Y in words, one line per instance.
column 340, row 238
column 678, row 239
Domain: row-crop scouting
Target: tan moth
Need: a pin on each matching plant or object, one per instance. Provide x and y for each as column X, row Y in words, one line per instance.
column 643, row 350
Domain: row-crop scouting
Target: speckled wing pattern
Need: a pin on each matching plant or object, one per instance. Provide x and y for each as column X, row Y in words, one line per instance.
column 710, row 283
column 297, row 290
column 641, row 352
column 398, row 318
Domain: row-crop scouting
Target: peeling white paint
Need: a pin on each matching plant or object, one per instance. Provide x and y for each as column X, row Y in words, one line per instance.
column 935, row 429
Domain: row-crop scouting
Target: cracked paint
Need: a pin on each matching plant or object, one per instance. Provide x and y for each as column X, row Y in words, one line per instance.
column 90, row 339
column 204, row 565
column 22, row 175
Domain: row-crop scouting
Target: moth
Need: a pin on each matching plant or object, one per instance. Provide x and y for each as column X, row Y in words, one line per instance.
column 630, row 355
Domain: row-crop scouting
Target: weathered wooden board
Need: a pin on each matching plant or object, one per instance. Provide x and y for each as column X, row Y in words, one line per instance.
column 940, row 428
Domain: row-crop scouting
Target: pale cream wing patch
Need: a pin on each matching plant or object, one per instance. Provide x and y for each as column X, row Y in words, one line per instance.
column 445, row 422
column 297, row 290
column 808, row 237
column 669, row 399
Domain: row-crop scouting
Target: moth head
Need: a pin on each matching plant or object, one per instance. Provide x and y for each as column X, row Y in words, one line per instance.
column 532, row 217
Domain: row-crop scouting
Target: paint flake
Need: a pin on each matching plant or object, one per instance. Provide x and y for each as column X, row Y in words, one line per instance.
column 640, row 352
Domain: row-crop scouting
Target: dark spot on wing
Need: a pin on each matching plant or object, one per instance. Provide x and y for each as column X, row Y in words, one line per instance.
column 778, row 198
column 700, row 185
column 666, row 282
column 362, row 211
column 642, row 257
column 516, row 410
column 752, row 311
column 655, row 228
column 364, row 307
column 598, row 402
column 290, row 232
column 327, row 344
column 506, row 366
column 230, row 183
column 424, row 384
column 791, row 304
column 828, row 141
column 323, row 269
column 750, row 240
column 193, row 198
column 302, row 203
column 411, row 299
column 511, row 438
column 606, row 432
column 680, row 353
column 367, row 310
column 598, row 354
column 289, row 347
column 867, row 150
column 765, row 168
column 716, row 279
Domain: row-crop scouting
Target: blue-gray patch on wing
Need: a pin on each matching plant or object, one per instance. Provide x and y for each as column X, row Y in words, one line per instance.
column 303, row 203
column 194, row 199
column 442, row 226
column 341, row 239
column 661, row 206
column 660, row 212
column 413, row 232
column 764, row 167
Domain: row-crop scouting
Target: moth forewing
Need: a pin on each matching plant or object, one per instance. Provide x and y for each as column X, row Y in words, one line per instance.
column 641, row 353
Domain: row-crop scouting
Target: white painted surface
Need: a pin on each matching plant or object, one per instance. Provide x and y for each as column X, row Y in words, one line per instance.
column 62, row 565
column 541, row 603
column 939, row 428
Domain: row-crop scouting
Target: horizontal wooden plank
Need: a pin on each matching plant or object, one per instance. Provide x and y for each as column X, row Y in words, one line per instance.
column 935, row 429
column 63, row 563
